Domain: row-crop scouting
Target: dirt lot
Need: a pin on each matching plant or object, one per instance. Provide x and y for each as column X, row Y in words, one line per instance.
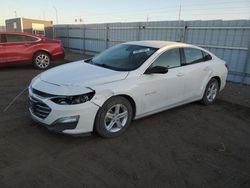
column 189, row 146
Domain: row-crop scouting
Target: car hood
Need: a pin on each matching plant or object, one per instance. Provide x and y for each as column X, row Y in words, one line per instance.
column 75, row 78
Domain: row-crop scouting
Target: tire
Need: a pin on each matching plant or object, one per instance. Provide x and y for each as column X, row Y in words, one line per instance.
column 114, row 117
column 41, row 60
column 211, row 92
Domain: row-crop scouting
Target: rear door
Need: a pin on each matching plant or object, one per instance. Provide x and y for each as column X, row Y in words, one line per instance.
column 197, row 72
column 2, row 48
column 18, row 47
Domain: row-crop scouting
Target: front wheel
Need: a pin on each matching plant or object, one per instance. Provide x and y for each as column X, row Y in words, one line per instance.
column 41, row 60
column 211, row 92
column 114, row 117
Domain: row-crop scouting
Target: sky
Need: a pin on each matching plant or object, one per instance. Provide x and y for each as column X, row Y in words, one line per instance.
column 103, row 11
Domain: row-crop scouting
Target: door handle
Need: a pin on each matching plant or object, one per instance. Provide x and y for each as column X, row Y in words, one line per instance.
column 180, row 74
column 27, row 44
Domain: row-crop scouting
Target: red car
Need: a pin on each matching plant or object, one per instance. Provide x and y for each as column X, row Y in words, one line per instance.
column 28, row 48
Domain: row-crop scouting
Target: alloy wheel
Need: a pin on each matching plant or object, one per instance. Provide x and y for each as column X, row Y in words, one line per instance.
column 42, row 61
column 116, row 118
column 212, row 92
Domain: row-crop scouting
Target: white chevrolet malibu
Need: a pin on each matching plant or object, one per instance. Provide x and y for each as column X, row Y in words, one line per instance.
column 128, row 81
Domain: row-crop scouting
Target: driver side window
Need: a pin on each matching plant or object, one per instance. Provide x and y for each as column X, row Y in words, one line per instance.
column 168, row 59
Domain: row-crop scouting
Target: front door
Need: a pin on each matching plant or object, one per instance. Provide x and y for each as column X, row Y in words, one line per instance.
column 161, row 91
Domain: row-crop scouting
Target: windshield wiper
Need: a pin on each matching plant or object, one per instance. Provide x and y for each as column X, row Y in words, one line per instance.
column 103, row 65
column 108, row 67
column 89, row 60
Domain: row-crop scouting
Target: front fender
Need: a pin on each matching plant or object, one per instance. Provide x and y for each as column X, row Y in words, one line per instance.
column 102, row 96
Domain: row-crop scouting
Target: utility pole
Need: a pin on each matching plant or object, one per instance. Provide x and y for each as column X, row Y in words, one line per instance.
column 15, row 14
column 54, row 30
column 56, row 14
column 179, row 17
column 147, row 18
column 181, row 34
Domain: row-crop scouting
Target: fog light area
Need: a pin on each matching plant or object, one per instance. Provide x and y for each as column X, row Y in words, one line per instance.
column 69, row 119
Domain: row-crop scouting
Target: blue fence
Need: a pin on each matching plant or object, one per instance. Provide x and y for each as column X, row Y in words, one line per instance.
column 229, row 40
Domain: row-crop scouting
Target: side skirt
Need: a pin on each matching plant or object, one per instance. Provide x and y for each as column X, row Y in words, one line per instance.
column 165, row 108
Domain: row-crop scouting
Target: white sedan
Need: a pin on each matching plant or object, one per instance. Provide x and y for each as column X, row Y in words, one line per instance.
column 127, row 81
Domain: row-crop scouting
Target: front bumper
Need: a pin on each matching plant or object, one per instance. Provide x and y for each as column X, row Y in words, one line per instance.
column 85, row 112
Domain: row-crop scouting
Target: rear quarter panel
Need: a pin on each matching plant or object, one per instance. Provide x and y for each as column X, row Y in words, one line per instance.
column 52, row 48
column 219, row 69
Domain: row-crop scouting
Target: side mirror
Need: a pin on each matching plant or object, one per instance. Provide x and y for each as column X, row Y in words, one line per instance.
column 156, row 70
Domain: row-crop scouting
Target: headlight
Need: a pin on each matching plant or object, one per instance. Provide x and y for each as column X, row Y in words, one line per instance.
column 76, row 99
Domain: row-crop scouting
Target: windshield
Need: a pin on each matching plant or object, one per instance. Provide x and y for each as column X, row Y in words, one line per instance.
column 123, row 57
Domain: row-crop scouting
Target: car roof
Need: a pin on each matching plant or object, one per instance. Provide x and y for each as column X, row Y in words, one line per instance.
column 158, row 43
column 20, row 33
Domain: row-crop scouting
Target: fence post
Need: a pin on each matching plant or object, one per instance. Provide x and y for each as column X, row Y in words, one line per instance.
column 107, row 36
column 138, row 31
column 246, row 70
column 68, row 36
column 185, row 31
column 54, row 32
column 83, row 38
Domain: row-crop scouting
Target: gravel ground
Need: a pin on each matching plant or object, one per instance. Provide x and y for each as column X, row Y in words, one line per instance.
column 189, row 146
column 237, row 94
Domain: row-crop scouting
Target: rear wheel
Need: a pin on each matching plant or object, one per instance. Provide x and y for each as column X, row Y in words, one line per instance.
column 211, row 92
column 41, row 60
column 114, row 117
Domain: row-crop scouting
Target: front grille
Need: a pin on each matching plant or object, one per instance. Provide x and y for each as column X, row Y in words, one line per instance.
column 38, row 108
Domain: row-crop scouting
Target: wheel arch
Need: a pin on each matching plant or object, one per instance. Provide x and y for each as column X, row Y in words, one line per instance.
column 218, row 79
column 131, row 100
column 96, row 126
column 126, row 96
column 38, row 51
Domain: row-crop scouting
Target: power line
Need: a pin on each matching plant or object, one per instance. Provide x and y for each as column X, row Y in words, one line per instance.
column 183, row 10
column 166, row 8
column 161, row 12
column 173, row 17
column 228, row 11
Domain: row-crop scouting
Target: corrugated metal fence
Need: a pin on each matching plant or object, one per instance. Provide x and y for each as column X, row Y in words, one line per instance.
column 229, row 40
column 2, row 28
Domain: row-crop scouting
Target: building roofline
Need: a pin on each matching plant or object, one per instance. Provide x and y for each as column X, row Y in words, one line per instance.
column 30, row 19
